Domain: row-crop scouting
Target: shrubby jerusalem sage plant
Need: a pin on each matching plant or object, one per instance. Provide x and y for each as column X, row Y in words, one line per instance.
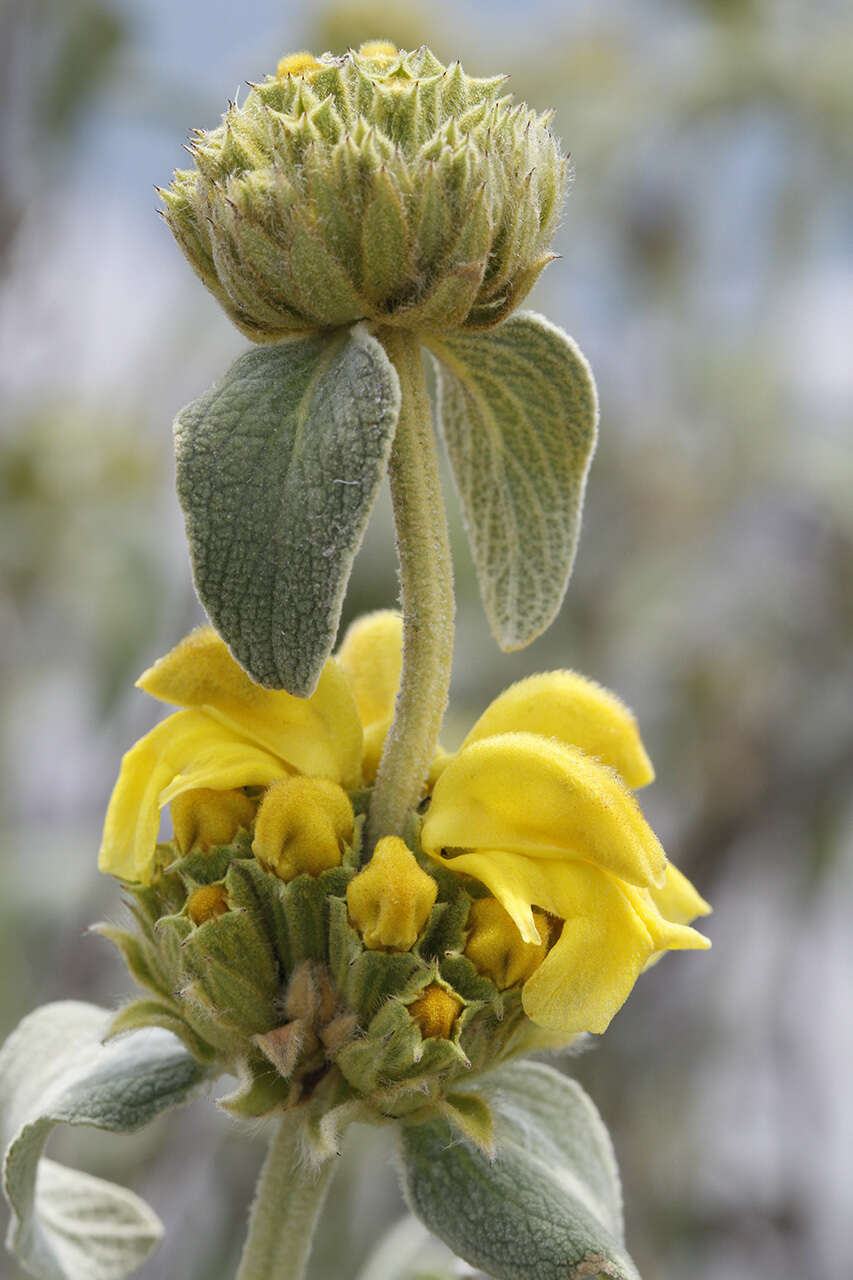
column 355, row 923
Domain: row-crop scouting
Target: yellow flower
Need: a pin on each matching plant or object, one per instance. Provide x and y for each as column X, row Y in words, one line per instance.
column 390, row 899
column 536, row 806
column 302, row 825
column 230, row 734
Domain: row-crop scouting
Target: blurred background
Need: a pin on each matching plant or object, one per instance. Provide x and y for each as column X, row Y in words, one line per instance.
column 707, row 273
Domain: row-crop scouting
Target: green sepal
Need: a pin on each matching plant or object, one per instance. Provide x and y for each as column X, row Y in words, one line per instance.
column 141, row 959
column 388, row 1048
column 366, row 979
column 546, row 1205
column 207, row 1019
column 459, row 973
column 252, row 890
column 444, row 931
column 315, row 276
column 230, row 960
column 171, row 932
column 260, row 1092
column 492, row 1034
column 385, row 251
column 206, row 866
column 518, row 412
column 164, row 896
column 160, row 1013
column 278, row 467
column 360, row 801
column 226, row 986
column 306, row 902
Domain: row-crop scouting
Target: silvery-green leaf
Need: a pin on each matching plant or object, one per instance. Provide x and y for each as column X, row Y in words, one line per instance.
column 518, row 411
column 278, row 467
column 547, row 1207
column 54, row 1070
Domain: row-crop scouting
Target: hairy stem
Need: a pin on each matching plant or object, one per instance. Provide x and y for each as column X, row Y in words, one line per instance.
column 426, row 579
column 287, row 1204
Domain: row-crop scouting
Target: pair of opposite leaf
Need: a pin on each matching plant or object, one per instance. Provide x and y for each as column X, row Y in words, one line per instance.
column 347, row 196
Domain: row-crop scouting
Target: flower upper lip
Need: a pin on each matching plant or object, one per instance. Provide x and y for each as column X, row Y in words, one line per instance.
column 537, row 806
column 230, row 733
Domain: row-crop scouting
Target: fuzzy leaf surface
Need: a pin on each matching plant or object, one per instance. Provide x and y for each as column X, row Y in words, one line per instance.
column 547, row 1206
column 518, row 412
column 278, row 467
column 54, row 1069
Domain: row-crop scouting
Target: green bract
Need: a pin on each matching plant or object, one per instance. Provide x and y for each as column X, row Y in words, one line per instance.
column 373, row 186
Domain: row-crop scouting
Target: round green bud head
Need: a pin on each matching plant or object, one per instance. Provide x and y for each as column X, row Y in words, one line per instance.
column 378, row 186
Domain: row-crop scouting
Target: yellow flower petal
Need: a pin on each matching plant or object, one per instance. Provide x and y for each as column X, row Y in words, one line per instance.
column 184, row 751
column 319, row 736
column 372, row 656
column 603, row 947
column 517, row 883
column 221, row 765
column 496, row 948
column 576, row 711
column 374, row 744
column 667, row 935
column 611, row 931
column 532, row 795
column 677, row 900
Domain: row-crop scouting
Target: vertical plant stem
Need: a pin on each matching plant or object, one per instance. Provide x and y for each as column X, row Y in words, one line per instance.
column 287, row 1204
column 426, row 581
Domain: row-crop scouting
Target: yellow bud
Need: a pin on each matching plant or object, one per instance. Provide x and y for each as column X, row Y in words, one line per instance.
column 206, row 903
column 496, row 947
column 294, row 64
column 301, row 826
column 204, row 818
column 435, row 1012
column 390, row 900
column 379, row 50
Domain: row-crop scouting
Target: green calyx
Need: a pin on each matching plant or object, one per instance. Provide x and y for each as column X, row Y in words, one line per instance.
column 276, row 985
column 379, row 186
